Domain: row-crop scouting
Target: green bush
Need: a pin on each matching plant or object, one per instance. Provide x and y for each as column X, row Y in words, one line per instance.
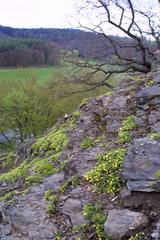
column 7, row 196
column 105, row 176
column 44, row 168
column 52, row 202
column 138, row 236
column 95, row 215
column 33, row 179
column 154, row 136
column 87, row 142
column 124, row 135
column 73, row 181
column 8, row 161
column 51, row 209
column 74, row 118
column 40, row 167
column 84, row 102
column 55, row 141
column 16, row 173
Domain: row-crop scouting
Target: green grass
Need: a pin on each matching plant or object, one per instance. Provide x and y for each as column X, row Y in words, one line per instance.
column 51, row 84
column 9, row 78
column 18, row 74
column 50, row 80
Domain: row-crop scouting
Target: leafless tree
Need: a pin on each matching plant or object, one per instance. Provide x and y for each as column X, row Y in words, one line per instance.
column 137, row 23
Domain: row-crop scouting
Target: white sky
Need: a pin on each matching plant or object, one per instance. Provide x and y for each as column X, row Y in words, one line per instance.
column 36, row 13
column 52, row 13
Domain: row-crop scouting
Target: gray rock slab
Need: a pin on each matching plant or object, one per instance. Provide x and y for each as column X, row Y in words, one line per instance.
column 28, row 216
column 118, row 103
column 157, row 79
column 5, row 230
column 154, row 116
column 24, row 150
column 105, row 101
column 122, row 223
column 85, row 160
column 141, row 121
column 144, row 95
column 156, row 232
column 141, row 165
column 155, row 103
column 113, row 127
column 52, row 182
column 155, row 127
column 73, row 208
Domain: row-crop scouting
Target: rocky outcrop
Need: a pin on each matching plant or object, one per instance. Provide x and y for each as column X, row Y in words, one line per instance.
column 24, row 150
column 65, row 205
column 147, row 94
column 142, row 161
column 27, row 214
column 157, row 79
column 141, row 165
column 154, row 121
column 156, row 233
column 123, row 223
column 73, row 208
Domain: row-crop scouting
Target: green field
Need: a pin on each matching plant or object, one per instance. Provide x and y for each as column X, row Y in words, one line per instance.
column 10, row 78
column 14, row 75
column 42, row 74
column 49, row 88
column 53, row 78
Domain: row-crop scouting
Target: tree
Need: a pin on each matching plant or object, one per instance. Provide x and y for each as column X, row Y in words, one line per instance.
column 17, row 52
column 26, row 111
column 139, row 28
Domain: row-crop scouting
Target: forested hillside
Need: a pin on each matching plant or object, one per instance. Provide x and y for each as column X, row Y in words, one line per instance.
column 18, row 52
column 42, row 46
column 88, row 44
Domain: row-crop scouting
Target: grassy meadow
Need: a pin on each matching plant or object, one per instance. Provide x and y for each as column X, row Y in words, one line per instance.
column 51, row 80
column 36, row 97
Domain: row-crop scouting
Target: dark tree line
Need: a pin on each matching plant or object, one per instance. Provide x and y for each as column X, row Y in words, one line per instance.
column 16, row 52
column 90, row 44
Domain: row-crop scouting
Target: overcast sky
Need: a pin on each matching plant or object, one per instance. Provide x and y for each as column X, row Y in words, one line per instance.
column 55, row 14
column 36, row 13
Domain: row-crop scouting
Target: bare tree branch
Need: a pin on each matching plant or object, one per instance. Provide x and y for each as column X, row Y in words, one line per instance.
column 133, row 53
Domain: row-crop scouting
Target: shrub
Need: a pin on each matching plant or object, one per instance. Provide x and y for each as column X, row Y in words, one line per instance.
column 7, row 196
column 95, row 215
column 73, row 181
column 34, row 179
column 138, row 236
column 40, row 167
column 9, row 160
column 16, row 173
column 44, row 168
column 154, row 136
column 51, row 209
column 52, row 202
column 84, row 102
column 76, row 115
column 124, row 135
column 105, row 176
column 87, row 142
column 55, row 141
